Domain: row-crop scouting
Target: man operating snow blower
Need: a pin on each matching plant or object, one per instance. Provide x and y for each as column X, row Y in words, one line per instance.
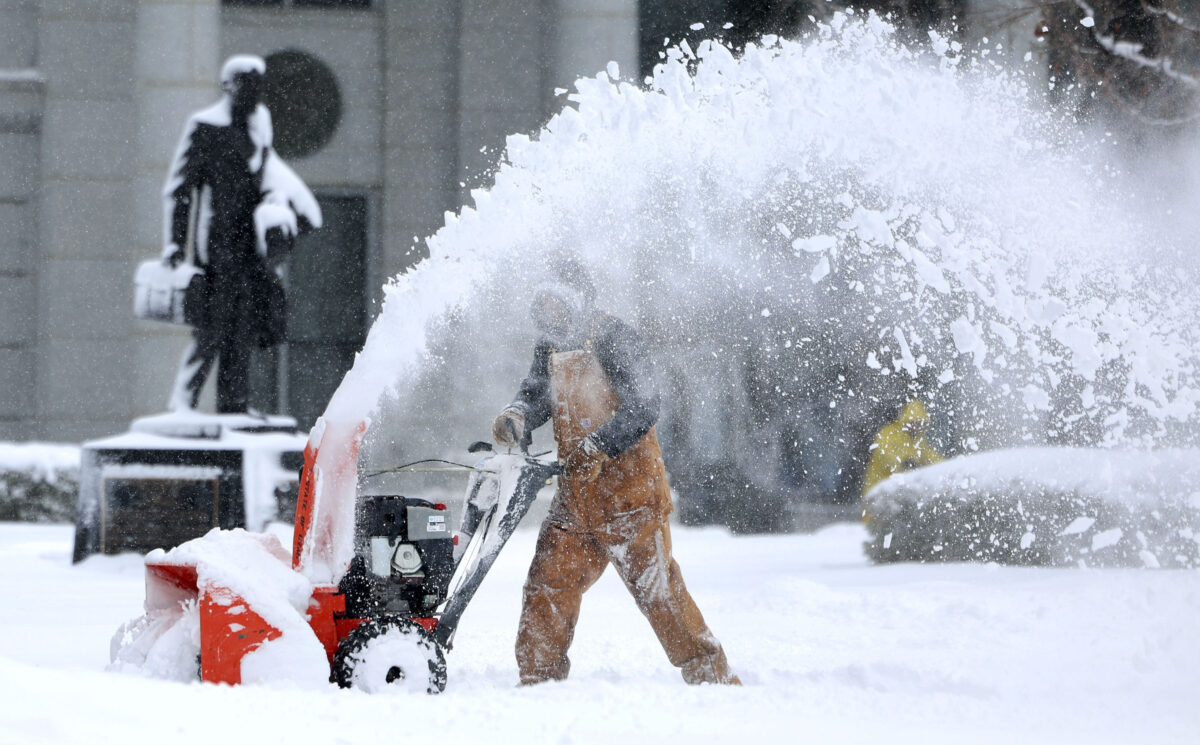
column 613, row 499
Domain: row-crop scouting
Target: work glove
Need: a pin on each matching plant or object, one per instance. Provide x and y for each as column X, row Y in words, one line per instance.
column 172, row 255
column 509, row 427
column 586, row 461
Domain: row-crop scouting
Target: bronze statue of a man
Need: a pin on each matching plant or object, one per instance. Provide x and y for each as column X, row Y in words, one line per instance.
column 232, row 198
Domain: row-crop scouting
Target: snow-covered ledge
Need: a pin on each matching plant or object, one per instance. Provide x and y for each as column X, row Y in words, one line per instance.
column 1043, row 506
column 38, row 481
column 21, row 92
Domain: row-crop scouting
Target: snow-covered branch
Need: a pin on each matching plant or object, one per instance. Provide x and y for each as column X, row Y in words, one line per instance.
column 1172, row 17
column 1132, row 51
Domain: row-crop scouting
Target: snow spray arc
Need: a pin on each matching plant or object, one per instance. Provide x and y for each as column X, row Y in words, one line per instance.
column 814, row 223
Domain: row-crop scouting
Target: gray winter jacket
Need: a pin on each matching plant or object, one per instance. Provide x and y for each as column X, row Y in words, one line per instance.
column 622, row 356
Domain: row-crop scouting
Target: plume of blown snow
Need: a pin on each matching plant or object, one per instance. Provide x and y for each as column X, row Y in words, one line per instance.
column 845, row 205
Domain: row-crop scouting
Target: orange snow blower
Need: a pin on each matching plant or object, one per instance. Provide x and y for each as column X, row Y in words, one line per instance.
column 389, row 580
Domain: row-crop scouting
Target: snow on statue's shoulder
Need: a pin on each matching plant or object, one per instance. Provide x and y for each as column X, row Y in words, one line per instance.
column 217, row 115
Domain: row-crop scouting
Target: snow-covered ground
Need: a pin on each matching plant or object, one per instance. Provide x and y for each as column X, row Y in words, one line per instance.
column 831, row 650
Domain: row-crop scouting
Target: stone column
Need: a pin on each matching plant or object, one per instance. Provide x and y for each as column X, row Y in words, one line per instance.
column 504, row 63
column 81, row 382
column 420, row 124
column 21, row 105
column 590, row 34
column 462, row 75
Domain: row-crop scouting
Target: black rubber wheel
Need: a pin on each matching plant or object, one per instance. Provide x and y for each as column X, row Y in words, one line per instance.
column 390, row 654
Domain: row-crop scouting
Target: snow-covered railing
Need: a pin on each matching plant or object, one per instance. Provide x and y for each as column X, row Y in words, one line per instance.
column 38, row 482
column 1045, row 507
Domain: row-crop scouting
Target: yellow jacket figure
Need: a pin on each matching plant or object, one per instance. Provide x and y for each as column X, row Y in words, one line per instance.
column 901, row 446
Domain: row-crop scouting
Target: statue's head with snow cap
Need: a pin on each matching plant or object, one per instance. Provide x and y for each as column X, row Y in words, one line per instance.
column 563, row 306
column 242, row 80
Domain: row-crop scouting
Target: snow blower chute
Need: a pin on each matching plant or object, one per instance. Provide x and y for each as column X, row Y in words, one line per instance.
column 378, row 583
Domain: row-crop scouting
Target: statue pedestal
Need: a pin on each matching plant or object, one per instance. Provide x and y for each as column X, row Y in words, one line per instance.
column 174, row 477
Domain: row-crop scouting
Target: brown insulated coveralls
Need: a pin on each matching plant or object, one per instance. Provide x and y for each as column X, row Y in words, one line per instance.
column 621, row 518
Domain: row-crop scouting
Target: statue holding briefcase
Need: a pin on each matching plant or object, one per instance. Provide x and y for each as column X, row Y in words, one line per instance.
column 232, row 210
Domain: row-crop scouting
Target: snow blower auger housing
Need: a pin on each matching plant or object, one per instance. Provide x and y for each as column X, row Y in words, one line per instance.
column 382, row 598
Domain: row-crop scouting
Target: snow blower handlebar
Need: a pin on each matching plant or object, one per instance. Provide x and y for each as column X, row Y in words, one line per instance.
column 414, row 468
column 497, row 500
column 475, row 447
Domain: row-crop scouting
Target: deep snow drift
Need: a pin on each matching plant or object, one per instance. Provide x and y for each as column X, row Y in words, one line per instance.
column 831, row 650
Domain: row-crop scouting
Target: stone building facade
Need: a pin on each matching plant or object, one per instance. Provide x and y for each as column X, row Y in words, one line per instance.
column 391, row 110
column 93, row 98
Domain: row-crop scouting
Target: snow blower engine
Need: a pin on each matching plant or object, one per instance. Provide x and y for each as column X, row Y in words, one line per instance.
column 410, row 582
column 403, row 558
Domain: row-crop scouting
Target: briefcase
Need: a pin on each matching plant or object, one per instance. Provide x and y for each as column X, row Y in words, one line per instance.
column 173, row 295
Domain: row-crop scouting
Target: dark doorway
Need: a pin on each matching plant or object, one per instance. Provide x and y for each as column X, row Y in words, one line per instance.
column 327, row 315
